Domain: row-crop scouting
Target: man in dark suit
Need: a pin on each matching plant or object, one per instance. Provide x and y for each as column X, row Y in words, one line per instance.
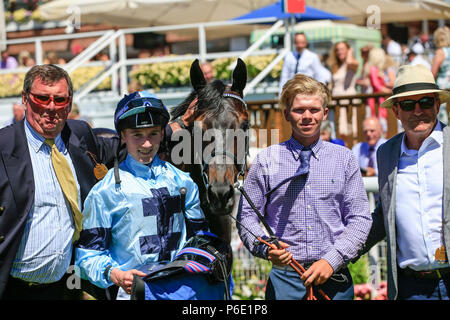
column 38, row 220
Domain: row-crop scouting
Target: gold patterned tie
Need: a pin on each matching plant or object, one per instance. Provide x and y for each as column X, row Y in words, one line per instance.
column 68, row 185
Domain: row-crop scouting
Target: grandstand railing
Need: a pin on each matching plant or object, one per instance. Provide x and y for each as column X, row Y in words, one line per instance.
column 119, row 62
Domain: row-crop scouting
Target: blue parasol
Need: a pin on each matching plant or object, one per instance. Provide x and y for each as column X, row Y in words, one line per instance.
column 276, row 10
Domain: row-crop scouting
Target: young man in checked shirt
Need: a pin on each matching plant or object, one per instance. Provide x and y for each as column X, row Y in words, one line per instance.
column 321, row 215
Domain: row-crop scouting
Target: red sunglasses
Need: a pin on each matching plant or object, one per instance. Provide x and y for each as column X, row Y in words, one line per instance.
column 45, row 100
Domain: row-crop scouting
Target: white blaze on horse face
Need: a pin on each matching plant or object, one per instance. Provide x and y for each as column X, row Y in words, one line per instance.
column 212, row 154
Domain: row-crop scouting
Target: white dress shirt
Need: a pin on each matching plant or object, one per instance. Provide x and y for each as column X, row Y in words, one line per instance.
column 419, row 206
column 308, row 64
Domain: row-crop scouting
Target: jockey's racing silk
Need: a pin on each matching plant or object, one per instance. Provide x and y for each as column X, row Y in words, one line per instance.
column 138, row 222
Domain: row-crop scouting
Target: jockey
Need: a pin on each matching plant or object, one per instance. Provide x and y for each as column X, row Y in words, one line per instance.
column 143, row 211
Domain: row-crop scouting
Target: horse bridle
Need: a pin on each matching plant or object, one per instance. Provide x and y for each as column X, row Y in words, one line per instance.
column 241, row 165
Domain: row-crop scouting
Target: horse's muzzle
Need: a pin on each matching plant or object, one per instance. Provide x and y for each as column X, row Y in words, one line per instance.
column 221, row 198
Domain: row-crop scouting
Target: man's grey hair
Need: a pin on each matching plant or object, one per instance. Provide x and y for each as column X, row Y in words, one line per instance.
column 48, row 73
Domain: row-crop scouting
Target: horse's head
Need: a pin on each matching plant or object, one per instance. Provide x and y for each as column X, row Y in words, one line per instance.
column 218, row 119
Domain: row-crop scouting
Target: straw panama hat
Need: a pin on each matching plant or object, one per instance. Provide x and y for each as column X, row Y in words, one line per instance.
column 412, row 80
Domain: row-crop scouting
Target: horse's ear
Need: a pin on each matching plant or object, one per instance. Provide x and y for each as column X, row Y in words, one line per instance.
column 239, row 77
column 197, row 77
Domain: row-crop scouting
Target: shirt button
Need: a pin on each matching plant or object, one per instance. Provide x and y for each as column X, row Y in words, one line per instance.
column 310, row 248
column 309, row 227
column 309, row 207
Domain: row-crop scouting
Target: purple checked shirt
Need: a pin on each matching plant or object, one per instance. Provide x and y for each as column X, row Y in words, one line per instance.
column 324, row 215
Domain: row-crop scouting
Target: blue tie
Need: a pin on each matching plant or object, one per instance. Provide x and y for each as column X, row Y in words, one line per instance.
column 371, row 154
column 305, row 156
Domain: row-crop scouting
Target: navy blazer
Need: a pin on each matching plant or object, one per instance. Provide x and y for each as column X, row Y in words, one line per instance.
column 17, row 181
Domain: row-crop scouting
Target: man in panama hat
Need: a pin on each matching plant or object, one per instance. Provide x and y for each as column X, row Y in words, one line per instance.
column 414, row 186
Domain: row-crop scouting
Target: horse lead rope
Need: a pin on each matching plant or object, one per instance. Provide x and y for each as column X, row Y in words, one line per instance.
column 274, row 244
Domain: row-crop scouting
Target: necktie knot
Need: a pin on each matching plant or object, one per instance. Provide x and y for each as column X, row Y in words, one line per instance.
column 49, row 142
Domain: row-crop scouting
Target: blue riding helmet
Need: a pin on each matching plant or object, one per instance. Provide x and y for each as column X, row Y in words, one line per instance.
column 140, row 110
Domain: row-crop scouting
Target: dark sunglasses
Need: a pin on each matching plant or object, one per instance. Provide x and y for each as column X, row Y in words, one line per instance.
column 45, row 100
column 424, row 103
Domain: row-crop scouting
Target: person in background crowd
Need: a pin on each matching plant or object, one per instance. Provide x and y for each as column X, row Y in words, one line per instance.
column 303, row 61
column 134, row 85
column 413, row 213
column 326, row 131
column 392, row 48
column 343, row 66
column 53, row 58
column 424, row 39
column 363, row 81
column 288, row 183
column 208, row 71
column 25, row 59
column 7, row 61
column 18, row 114
column 441, row 65
column 47, row 167
column 415, row 56
column 381, row 69
column 75, row 114
column 366, row 151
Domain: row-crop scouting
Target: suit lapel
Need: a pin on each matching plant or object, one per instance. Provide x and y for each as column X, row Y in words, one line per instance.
column 446, row 196
column 393, row 156
column 82, row 162
column 16, row 157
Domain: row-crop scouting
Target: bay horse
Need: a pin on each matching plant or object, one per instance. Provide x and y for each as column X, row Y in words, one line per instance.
column 213, row 122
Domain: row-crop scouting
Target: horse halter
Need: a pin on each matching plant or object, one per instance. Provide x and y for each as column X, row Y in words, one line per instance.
column 241, row 166
column 235, row 96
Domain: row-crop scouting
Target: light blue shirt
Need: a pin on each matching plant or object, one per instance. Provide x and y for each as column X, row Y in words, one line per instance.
column 362, row 152
column 419, row 207
column 138, row 223
column 46, row 248
column 309, row 64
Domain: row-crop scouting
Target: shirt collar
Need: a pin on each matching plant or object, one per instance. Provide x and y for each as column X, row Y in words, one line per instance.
column 365, row 146
column 36, row 141
column 296, row 147
column 436, row 136
column 152, row 170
